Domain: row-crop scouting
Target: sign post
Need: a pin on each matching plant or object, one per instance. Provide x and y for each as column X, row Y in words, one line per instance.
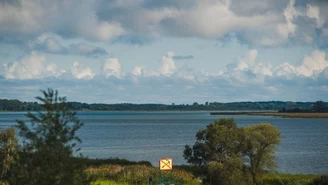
column 165, row 173
column 165, row 164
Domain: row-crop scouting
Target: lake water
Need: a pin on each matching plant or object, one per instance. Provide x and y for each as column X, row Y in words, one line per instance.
column 154, row 135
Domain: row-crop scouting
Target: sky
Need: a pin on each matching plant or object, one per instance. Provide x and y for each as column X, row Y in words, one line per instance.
column 165, row 51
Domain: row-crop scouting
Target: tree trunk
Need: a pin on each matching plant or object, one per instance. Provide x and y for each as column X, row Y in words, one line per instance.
column 254, row 178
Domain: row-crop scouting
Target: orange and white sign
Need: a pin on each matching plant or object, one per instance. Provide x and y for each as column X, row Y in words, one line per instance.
column 165, row 164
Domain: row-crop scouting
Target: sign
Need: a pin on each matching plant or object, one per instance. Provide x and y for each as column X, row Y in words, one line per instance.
column 165, row 164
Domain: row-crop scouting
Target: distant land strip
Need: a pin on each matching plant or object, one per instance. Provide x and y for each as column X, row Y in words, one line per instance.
column 7, row 105
column 280, row 114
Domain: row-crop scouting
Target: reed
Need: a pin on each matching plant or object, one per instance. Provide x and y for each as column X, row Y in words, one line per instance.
column 135, row 174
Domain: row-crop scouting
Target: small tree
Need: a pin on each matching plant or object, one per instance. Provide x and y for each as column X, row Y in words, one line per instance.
column 49, row 142
column 8, row 153
column 216, row 150
column 215, row 143
column 259, row 145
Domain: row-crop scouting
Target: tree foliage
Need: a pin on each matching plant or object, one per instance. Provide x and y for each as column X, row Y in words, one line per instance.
column 230, row 154
column 319, row 106
column 259, row 145
column 49, row 143
column 215, row 143
column 8, row 152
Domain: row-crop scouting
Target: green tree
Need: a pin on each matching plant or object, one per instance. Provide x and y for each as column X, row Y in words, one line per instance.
column 230, row 155
column 319, row 106
column 8, row 152
column 216, row 149
column 49, row 142
column 215, row 143
column 259, row 144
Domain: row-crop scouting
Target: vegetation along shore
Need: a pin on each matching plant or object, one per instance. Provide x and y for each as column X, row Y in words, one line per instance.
column 274, row 106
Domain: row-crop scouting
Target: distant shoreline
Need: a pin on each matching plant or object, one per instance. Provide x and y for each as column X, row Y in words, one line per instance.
column 246, row 113
column 279, row 114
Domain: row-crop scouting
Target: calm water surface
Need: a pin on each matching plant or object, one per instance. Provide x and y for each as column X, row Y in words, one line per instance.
column 153, row 135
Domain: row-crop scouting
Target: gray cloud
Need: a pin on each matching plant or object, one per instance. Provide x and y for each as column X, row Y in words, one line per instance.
column 183, row 57
column 86, row 50
column 180, row 4
column 133, row 40
column 69, row 19
column 255, row 22
column 51, row 45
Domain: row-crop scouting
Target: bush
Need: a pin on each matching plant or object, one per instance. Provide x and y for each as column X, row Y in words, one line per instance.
column 322, row 180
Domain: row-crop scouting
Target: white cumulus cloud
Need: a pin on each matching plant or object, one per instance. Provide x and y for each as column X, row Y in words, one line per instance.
column 167, row 64
column 313, row 64
column 111, row 67
column 137, row 71
column 30, row 67
column 245, row 62
column 81, row 72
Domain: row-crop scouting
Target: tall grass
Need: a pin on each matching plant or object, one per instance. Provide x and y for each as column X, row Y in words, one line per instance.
column 123, row 172
column 136, row 174
column 287, row 179
column 108, row 182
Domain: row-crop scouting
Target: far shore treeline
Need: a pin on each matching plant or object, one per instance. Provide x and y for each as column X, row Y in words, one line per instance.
column 281, row 106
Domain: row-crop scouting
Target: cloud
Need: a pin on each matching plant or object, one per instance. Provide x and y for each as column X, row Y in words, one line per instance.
column 69, row 19
column 183, row 57
column 29, row 67
column 256, row 23
column 247, row 70
column 243, row 62
column 288, row 28
column 310, row 66
column 313, row 12
column 48, row 44
column 86, row 50
column 247, row 79
column 111, row 67
column 313, row 64
column 166, row 67
column 81, row 72
column 137, row 71
column 324, row 74
column 35, row 66
column 167, row 64
column 286, row 70
column 101, row 31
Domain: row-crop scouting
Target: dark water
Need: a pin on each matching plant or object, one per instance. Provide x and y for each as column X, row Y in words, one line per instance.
column 153, row 135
